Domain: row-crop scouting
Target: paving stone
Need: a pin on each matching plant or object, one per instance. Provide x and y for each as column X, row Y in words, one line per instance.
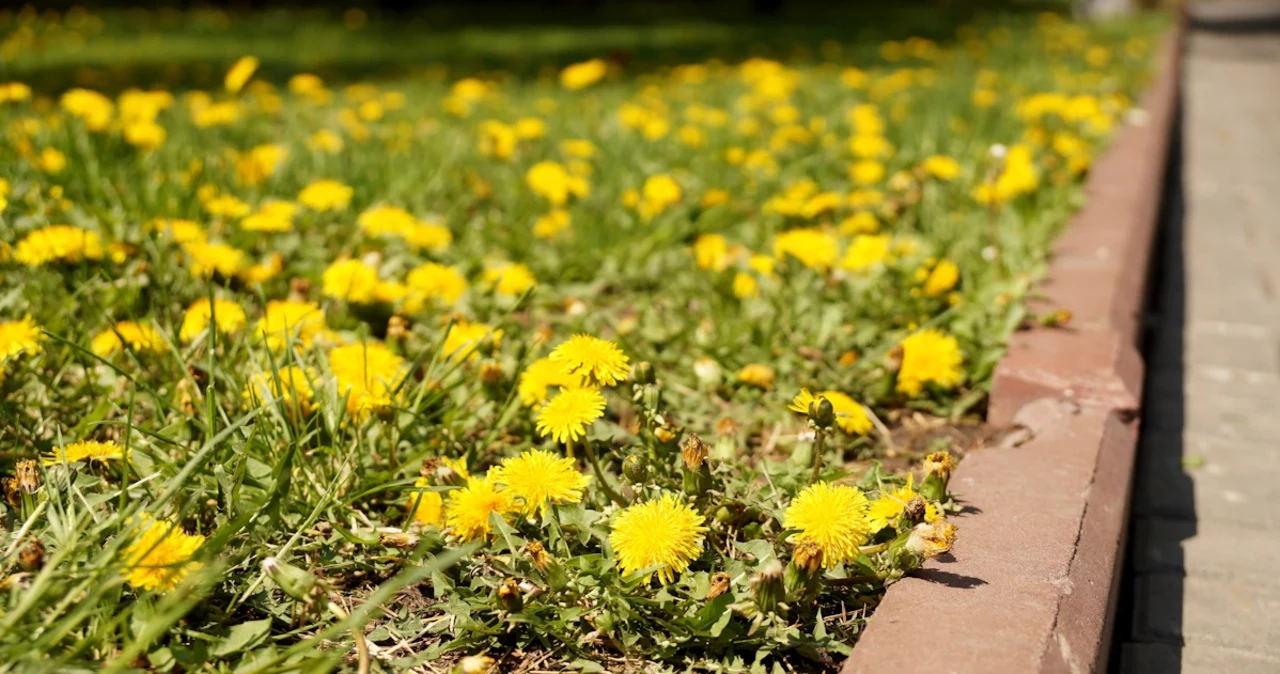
column 1195, row 610
column 1161, row 658
column 1206, row 530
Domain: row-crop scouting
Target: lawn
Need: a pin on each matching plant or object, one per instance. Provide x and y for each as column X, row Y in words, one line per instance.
column 430, row 343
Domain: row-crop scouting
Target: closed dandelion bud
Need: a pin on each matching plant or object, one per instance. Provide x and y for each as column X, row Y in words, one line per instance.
column 667, row 434
column 11, row 494
column 767, row 585
column 490, row 372
column 474, row 664
column 635, row 468
column 940, row 465
column 725, row 449
column 541, row 559
column 915, row 510
column 446, row 475
column 822, row 413
column 397, row 328
column 299, row 288
column 719, row 585
column 26, row 476
column 893, row 359
column 31, row 557
column 930, row 539
column 694, row 451
column 643, row 373
column 651, row 397
column 400, row 540
column 293, row 581
column 724, row 515
column 509, row 595
column 804, row 574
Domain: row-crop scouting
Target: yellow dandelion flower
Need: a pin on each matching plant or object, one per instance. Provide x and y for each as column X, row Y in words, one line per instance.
column 711, row 251
column 58, row 243
column 367, row 373
column 599, row 362
column 745, row 286
column 540, row 478
column 465, row 337
column 813, row 247
column 540, row 376
column 469, row 509
column 240, row 73
column 158, row 558
column 666, row 533
column 87, row 450
column 566, row 417
column 427, row 506
column 350, row 280
column 510, row 279
column 136, row 336
column 865, row 252
column 583, row 75
column 757, row 375
column 19, row 337
column 435, row 282
column 942, row 168
column 851, row 416
column 886, row 509
column 832, row 516
column 431, row 236
column 209, row 259
column 181, row 231
column 325, row 195
column 290, row 319
column 929, row 356
column 383, row 220
column 229, row 316
column 552, row 224
column 942, row 278
column 290, row 384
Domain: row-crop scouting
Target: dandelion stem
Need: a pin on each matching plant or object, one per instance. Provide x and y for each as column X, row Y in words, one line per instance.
column 604, row 482
column 818, row 446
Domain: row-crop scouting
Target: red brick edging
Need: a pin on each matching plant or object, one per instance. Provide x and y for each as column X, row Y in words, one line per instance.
column 1033, row 582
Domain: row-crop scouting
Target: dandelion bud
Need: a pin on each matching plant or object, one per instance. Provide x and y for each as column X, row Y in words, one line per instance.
column 31, row 557
column 719, row 585
column 490, row 372
column 509, row 595
column 928, row 540
column 808, row 556
column 803, row 576
column 1056, row 318
column 651, row 397
column 643, row 373
column 400, row 540
column 940, row 465
column 397, row 328
column 635, row 468
column 474, row 664
column 915, row 510
column 446, row 475
column 604, row 622
column 299, row 288
column 11, row 494
column 893, row 359
column 295, row 582
column 767, row 586
column 26, row 476
column 538, row 555
column 694, row 451
column 822, row 413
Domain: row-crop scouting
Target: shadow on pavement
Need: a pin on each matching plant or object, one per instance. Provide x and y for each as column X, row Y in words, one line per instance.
column 1147, row 633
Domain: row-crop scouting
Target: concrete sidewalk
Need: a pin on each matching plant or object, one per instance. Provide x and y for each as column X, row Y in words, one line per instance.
column 1203, row 594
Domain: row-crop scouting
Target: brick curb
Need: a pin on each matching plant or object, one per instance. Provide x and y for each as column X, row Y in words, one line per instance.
column 1032, row 584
